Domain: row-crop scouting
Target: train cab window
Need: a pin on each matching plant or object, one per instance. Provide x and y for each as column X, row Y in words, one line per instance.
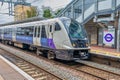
column 57, row 27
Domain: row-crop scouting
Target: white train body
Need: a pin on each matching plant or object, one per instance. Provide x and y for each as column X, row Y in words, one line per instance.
column 63, row 37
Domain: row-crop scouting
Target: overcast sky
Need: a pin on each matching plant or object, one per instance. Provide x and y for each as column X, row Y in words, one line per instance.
column 54, row 4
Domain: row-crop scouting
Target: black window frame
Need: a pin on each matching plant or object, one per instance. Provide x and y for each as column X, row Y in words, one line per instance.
column 57, row 26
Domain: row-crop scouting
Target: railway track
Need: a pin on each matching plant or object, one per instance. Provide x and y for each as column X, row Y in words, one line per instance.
column 85, row 72
column 94, row 69
column 102, row 73
column 40, row 74
column 35, row 72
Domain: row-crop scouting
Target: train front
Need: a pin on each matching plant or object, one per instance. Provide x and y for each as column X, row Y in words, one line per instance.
column 78, row 39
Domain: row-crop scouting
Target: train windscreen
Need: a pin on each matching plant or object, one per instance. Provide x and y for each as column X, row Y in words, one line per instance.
column 74, row 29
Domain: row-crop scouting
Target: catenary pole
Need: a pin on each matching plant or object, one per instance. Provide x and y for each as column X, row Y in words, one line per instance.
column 118, row 35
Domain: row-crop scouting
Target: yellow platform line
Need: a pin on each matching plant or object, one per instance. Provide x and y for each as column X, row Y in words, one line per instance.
column 103, row 52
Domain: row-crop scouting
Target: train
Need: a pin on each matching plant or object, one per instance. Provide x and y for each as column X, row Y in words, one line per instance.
column 61, row 38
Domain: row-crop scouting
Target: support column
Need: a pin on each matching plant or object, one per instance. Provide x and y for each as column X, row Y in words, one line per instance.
column 118, row 35
column 96, row 6
column 113, row 4
column 10, row 8
column 113, row 8
column 72, row 11
column 96, row 10
column 83, row 10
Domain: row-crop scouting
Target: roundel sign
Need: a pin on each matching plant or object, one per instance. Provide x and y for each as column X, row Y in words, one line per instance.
column 108, row 37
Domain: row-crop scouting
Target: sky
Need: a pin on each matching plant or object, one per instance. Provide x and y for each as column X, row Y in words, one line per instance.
column 54, row 4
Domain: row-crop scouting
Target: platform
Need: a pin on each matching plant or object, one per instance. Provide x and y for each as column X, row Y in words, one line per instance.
column 7, row 72
column 105, row 51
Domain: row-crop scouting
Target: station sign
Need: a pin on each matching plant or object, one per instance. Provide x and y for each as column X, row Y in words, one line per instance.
column 109, row 36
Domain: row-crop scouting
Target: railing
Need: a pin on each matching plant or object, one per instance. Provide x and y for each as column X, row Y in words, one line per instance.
column 117, row 2
column 89, row 11
column 86, row 14
column 102, row 5
column 79, row 19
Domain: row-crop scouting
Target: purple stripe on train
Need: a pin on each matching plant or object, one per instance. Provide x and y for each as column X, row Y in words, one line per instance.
column 45, row 42
column 51, row 43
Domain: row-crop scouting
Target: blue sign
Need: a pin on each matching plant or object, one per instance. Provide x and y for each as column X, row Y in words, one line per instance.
column 108, row 37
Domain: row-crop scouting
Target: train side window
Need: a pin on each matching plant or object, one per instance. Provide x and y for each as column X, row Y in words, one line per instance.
column 43, row 32
column 50, row 28
column 13, row 31
column 57, row 27
column 35, row 33
column 5, row 32
column 30, row 31
column 0, row 31
column 10, row 31
column 38, row 31
column 26, row 31
column 19, row 31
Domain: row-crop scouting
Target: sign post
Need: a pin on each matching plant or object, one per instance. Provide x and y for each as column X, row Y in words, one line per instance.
column 118, row 35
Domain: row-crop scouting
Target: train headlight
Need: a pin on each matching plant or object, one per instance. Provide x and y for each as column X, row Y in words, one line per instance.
column 82, row 53
column 73, row 45
column 87, row 44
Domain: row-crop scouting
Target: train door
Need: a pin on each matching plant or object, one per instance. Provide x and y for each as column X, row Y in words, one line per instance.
column 50, row 36
column 44, row 40
column 36, row 36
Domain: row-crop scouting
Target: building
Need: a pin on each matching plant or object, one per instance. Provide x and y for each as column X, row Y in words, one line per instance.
column 21, row 12
column 99, row 17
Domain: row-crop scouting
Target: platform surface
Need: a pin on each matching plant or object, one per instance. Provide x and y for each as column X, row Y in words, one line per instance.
column 105, row 51
column 8, row 73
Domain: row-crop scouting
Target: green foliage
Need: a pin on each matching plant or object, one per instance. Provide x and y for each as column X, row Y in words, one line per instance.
column 47, row 13
column 31, row 13
column 58, row 12
column 28, row 14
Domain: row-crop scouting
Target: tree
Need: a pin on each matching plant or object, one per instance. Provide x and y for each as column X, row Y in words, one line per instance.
column 32, row 12
column 58, row 12
column 47, row 13
column 28, row 14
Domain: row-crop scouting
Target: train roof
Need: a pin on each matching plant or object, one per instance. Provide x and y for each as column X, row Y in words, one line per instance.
column 24, row 21
column 28, row 20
